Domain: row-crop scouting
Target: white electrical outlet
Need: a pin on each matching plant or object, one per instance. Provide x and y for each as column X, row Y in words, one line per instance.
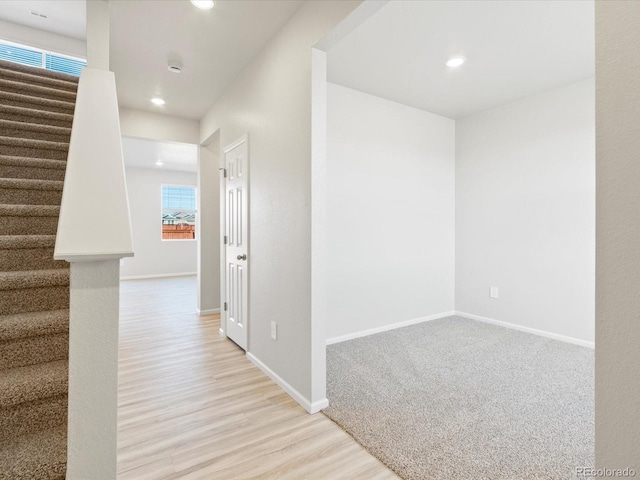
column 274, row 330
column 493, row 292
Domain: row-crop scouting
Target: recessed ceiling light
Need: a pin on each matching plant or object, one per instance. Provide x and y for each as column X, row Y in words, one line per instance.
column 159, row 163
column 455, row 62
column 203, row 4
column 157, row 101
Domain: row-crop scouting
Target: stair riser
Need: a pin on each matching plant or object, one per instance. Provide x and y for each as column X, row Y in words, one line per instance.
column 25, row 117
column 13, row 260
column 37, row 80
column 33, row 416
column 38, row 74
column 19, row 196
column 31, row 173
column 37, row 135
column 68, row 109
column 32, row 152
column 34, row 299
column 33, row 350
column 24, row 325
column 37, row 91
column 28, row 225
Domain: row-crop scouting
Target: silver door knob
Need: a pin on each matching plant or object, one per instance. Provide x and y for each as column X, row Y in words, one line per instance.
column 242, row 257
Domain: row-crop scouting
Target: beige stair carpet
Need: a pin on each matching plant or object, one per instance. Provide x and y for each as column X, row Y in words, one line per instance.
column 36, row 113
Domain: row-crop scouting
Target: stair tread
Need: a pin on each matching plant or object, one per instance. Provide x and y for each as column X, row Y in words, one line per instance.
column 9, row 210
column 34, row 112
column 41, row 89
column 39, row 73
column 33, row 162
column 34, row 127
column 16, row 242
column 33, row 143
column 26, row 384
column 37, row 455
column 33, row 100
column 24, row 325
column 34, row 279
column 33, row 416
column 30, row 184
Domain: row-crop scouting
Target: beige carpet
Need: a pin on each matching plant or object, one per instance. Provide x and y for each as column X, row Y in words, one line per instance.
column 36, row 113
column 456, row 399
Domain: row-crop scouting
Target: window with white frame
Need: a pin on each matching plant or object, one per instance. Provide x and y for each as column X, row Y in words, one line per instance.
column 178, row 212
column 35, row 57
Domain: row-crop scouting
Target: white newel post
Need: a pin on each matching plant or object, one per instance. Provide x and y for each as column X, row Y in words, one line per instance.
column 93, row 370
column 94, row 233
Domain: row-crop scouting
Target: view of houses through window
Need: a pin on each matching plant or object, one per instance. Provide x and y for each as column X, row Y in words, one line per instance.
column 178, row 212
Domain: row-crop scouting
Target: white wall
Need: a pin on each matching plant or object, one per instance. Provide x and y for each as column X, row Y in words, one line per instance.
column 525, row 212
column 390, row 212
column 271, row 101
column 156, row 126
column 43, row 40
column 618, row 235
column 208, row 230
column 154, row 256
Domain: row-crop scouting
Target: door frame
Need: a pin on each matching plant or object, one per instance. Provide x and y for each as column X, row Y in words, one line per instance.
column 223, row 233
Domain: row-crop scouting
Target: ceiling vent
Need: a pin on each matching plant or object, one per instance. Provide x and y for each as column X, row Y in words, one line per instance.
column 174, row 67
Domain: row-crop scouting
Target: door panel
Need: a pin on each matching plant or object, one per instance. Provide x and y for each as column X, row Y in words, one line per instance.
column 237, row 222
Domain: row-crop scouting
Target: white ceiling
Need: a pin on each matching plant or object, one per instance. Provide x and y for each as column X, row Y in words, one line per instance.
column 213, row 46
column 144, row 153
column 513, row 49
column 64, row 17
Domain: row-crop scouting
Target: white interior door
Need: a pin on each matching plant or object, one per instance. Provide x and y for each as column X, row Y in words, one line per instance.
column 236, row 161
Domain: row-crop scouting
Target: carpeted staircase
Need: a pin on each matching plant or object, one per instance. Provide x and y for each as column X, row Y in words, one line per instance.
column 36, row 112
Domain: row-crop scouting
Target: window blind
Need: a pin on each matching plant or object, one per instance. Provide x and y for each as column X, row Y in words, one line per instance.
column 178, row 198
column 42, row 59
column 24, row 56
column 68, row 65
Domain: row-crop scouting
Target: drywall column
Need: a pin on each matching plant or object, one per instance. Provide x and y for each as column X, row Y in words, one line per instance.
column 208, row 232
column 319, row 248
column 94, row 233
column 319, row 198
column 98, row 34
column 617, row 235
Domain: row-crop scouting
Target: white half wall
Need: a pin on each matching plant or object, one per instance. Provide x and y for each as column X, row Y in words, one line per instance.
column 525, row 212
column 154, row 256
column 391, row 192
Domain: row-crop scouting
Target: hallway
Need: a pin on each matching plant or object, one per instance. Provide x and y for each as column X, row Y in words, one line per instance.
column 192, row 406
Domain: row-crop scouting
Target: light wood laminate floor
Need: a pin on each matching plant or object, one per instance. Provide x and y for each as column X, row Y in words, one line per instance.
column 191, row 406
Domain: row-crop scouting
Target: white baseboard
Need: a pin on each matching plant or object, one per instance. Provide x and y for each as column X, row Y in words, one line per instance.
column 211, row 311
column 542, row 333
column 385, row 328
column 296, row 395
column 319, row 405
column 222, row 333
column 159, row 275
